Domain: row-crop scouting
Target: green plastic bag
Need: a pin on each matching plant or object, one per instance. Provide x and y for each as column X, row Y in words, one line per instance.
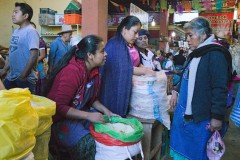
column 134, row 136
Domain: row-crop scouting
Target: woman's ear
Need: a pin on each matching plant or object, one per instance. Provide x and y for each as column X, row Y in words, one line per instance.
column 90, row 56
column 124, row 31
column 204, row 37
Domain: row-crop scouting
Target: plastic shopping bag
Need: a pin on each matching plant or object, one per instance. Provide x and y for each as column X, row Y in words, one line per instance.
column 123, row 129
column 45, row 109
column 215, row 147
column 18, row 123
column 119, row 139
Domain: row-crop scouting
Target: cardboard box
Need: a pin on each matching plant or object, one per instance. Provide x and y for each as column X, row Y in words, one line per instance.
column 59, row 18
column 46, row 19
column 44, row 10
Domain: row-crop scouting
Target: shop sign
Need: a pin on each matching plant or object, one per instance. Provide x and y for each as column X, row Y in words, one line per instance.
column 221, row 23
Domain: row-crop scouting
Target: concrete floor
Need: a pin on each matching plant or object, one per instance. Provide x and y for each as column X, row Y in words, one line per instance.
column 232, row 143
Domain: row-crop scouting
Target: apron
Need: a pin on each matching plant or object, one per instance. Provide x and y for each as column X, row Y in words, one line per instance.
column 188, row 140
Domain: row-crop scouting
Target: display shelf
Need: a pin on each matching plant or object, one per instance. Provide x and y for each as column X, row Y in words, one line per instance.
column 50, row 32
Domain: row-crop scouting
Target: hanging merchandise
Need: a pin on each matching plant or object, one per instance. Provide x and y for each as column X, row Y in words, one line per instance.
column 231, row 3
column 187, row 5
column 153, row 4
column 219, row 5
column 179, row 8
column 207, row 4
column 196, row 5
column 163, row 5
column 121, row 8
column 157, row 7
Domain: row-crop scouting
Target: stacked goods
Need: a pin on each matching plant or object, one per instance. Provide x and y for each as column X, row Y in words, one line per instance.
column 25, row 123
column 72, row 17
column 117, row 139
column 18, row 124
column 72, row 14
column 46, row 16
column 45, row 109
column 149, row 98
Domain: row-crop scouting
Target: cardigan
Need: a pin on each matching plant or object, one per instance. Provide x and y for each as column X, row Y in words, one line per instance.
column 211, row 85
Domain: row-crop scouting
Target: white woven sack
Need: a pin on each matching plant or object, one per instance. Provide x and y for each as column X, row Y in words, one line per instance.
column 104, row 152
column 149, row 98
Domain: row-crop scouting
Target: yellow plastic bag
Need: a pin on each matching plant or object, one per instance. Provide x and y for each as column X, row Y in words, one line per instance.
column 45, row 108
column 18, row 123
column 41, row 148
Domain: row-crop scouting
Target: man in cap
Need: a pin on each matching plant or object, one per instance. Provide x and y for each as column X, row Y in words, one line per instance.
column 59, row 46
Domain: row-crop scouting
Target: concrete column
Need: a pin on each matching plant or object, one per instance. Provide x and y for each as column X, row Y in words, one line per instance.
column 163, row 28
column 94, row 18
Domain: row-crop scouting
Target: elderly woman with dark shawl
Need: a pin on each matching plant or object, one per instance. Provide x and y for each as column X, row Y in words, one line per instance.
column 201, row 96
column 122, row 62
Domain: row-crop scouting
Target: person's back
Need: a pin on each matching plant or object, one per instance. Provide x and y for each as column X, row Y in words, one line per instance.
column 179, row 59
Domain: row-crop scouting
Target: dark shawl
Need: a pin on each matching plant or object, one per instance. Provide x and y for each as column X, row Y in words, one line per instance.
column 116, row 76
column 199, row 52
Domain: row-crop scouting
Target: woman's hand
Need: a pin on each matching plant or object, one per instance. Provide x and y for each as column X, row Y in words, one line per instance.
column 173, row 100
column 109, row 114
column 215, row 125
column 148, row 71
column 95, row 117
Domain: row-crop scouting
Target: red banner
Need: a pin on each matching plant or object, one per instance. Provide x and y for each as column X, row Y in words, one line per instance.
column 221, row 23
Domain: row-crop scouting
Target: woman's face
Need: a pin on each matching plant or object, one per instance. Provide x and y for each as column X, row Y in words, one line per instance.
column 132, row 34
column 100, row 56
column 193, row 40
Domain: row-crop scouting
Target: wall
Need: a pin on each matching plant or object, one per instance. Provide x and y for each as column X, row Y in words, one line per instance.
column 7, row 6
column 97, row 24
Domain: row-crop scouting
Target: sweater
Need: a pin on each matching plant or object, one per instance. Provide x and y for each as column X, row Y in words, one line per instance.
column 72, row 80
